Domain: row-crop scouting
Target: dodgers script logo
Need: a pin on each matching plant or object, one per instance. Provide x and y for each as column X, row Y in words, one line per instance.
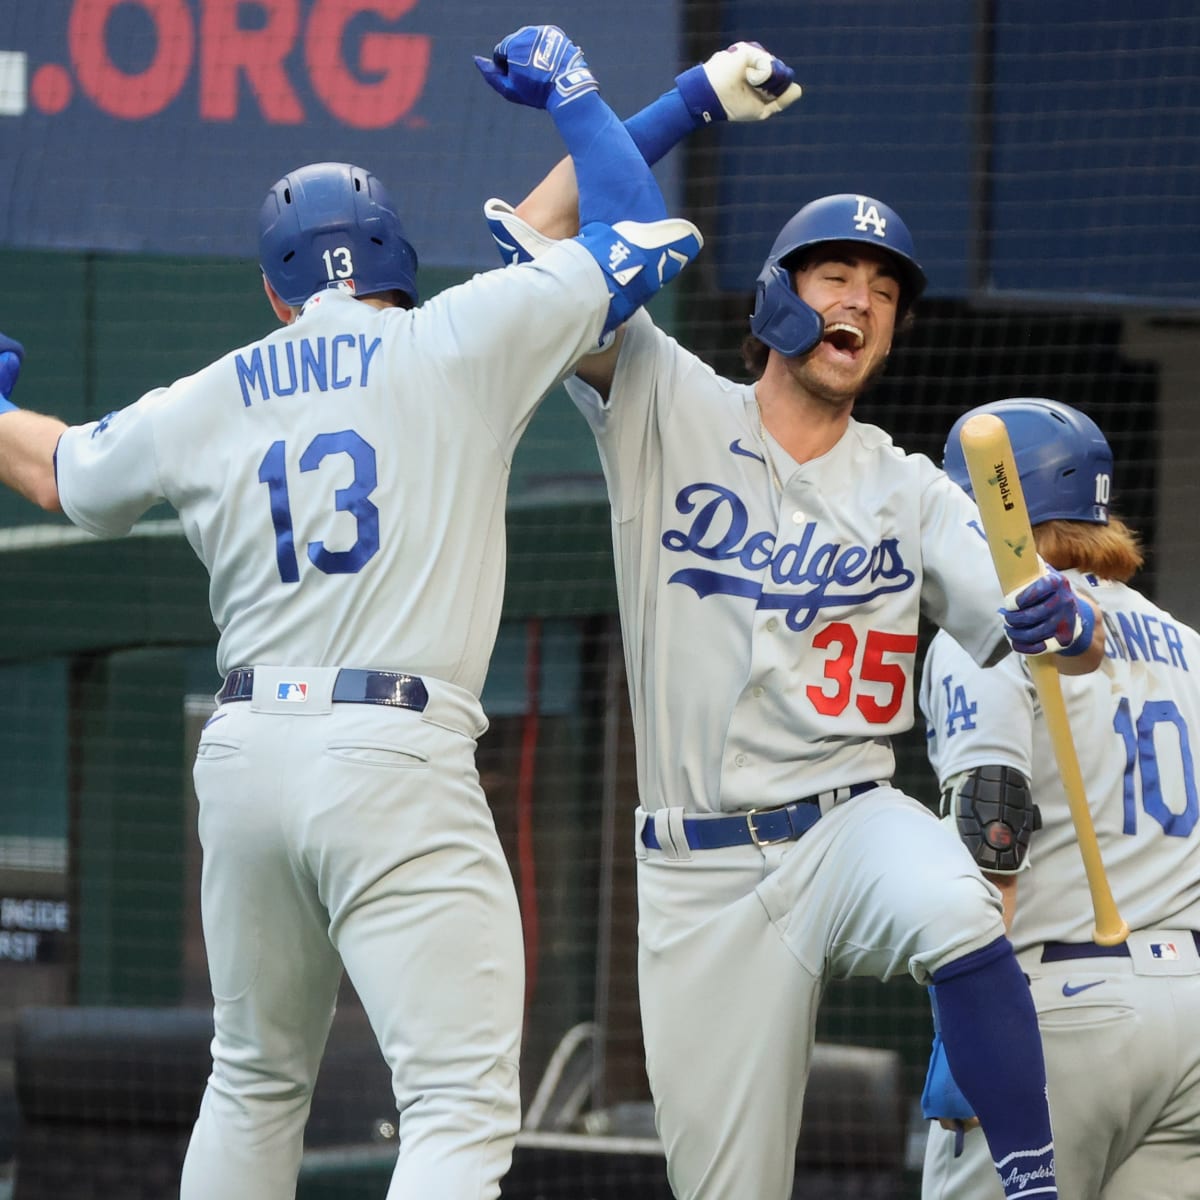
column 836, row 574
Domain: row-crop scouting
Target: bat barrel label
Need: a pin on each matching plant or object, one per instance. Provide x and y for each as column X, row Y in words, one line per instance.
column 1005, row 490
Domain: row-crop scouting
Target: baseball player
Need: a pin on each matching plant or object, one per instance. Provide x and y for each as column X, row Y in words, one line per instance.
column 343, row 480
column 773, row 559
column 1118, row 1022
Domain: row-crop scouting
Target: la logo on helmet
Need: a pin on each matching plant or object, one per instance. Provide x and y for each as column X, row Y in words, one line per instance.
column 867, row 217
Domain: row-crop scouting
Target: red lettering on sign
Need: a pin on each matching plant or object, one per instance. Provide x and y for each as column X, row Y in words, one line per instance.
column 400, row 60
column 114, row 91
column 227, row 52
column 379, row 87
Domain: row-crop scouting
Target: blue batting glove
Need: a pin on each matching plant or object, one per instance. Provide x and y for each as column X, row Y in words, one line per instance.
column 538, row 66
column 1046, row 617
column 11, row 354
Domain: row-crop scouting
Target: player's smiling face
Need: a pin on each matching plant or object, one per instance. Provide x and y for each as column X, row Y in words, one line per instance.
column 857, row 293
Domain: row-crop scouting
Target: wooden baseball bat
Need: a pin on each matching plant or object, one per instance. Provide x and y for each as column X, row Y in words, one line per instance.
column 1001, row 504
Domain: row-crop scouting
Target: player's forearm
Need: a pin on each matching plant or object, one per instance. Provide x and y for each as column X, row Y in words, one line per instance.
column 27, row 444
column 720, row 89
column 552, row 207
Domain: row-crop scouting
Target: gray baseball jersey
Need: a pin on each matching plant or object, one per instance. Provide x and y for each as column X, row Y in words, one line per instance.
column 1123, row 1061
column 770, row 636
column 365, row 525
column 770, row 615
column 344, row 481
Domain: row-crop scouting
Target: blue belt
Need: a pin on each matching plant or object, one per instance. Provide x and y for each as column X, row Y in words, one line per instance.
column 1066, row 951
column 759, row 826
column 350, row 687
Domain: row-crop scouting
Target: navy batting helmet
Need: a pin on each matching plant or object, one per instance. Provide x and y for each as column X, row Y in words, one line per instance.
column 780, row 318
column 1063, row 460
column 331, row 224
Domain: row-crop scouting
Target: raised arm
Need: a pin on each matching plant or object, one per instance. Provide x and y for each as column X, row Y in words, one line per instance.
column 622, row 218
column 742, row 83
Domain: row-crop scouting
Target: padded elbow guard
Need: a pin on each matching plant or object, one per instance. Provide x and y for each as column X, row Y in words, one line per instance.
column 994, row 812
column 638, row 258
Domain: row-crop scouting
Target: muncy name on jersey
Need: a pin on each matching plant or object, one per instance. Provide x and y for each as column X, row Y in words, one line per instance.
column 304, row 365
column 837, row 573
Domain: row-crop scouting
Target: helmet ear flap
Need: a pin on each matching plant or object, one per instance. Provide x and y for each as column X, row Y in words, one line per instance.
column 780, row 318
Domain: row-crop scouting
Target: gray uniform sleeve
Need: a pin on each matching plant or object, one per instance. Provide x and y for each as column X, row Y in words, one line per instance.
column 108, row 470
column 506, row 337
column 975, row 716
column 961, row 593
column 651, row 374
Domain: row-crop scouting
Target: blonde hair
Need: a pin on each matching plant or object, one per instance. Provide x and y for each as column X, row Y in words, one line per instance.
column 1112, row 551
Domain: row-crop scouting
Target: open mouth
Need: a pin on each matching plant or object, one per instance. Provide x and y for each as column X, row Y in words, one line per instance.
column 846, row 339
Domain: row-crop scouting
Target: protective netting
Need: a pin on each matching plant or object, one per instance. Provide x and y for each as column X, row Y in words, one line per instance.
column 1044, row 159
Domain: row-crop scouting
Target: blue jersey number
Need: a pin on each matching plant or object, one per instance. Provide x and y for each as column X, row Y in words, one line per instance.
column 353, row 499
column 1142, row 755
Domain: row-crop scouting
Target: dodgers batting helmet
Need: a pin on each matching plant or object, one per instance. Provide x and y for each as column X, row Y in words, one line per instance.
column 1063, row 460
column 780, row 318
column 331, row 224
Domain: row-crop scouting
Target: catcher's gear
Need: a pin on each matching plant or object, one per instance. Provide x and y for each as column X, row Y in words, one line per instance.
column 333, row 225
column 993, row 810
column 742, row 83
column 538, row 66
column 11, row 354
column 780, row 318
column 637, row 258
column 1046, row 617
column 1064, row 462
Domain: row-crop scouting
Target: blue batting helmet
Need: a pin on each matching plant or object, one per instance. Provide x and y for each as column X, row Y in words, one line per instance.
column 1063, row 460
column 780, row 318
column 330, row 224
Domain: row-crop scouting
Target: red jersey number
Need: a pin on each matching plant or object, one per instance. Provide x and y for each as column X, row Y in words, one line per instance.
column 842, row 642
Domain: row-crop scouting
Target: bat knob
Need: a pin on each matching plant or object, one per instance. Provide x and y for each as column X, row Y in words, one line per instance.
column 1111, row 937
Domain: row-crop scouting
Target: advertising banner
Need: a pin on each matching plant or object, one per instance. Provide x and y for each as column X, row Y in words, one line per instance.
column 159, row 125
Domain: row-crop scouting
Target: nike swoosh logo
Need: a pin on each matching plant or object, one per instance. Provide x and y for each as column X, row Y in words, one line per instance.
column 214, row 719
column 737, row 448
column 1068, row 990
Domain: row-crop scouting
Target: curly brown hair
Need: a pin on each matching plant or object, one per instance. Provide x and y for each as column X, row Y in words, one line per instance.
column 1112, row 551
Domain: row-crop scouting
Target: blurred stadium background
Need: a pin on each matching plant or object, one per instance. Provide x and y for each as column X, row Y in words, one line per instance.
column 1045, row 157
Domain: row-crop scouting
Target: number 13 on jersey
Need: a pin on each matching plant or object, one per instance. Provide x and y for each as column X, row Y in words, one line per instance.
column 352, row 499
